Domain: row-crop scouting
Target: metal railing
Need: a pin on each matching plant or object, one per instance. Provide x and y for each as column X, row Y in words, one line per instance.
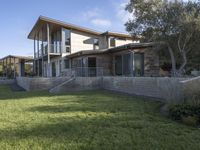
column 84, row 72
column 55, row 49
column 88, row 71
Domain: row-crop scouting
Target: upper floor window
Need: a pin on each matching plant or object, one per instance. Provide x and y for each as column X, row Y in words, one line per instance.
column 112, row 42
column 96, row 43
column 67, row 40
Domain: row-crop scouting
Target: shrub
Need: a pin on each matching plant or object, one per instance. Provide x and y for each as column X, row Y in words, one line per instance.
column 190, row 120
column 186, row 113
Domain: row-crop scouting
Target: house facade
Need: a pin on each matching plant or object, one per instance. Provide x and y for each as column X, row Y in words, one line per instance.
column 60, row 48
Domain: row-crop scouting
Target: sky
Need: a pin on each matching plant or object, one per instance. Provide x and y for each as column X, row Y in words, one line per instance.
column 19, row 16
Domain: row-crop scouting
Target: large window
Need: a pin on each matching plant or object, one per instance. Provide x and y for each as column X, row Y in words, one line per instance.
column 112, row 42
column 139, row 64
column 67, row 41
column 123, row 64
column 55, row 42
column 118, row 65
column 96, row 43
column 66, row 64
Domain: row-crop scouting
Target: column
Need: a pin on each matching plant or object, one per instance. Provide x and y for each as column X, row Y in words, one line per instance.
column 42, row 54
column 6, row 68
column 38, row 62
column 34, row 61
column 14, row 68
column 48, row 49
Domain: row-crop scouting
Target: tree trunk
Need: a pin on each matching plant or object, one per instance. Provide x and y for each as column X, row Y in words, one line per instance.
column 181, row 69
column 173, row 61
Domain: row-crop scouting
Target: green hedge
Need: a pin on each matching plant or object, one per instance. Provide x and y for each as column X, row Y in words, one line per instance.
column 184, row 110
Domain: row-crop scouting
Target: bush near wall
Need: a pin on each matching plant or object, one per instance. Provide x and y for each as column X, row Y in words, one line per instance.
column 186, row 113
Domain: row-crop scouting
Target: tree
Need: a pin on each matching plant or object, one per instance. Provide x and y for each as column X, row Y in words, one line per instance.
column 175, row 25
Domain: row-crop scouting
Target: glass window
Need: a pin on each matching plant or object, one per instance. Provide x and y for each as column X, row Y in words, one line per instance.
column 66, row 63
column 67, row 37
column 67, row 40
column 139, row 64
column 118, row 65
column 96, row 43
column 112, row 42
column 127, row 67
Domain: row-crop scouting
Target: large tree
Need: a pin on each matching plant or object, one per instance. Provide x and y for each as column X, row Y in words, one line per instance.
column 175, row 25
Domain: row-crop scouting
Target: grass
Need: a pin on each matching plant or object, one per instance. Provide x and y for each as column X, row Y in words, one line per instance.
column 88, row 120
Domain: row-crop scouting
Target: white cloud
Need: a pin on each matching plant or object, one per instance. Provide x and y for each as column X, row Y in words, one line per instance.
column 101, row 22
column 92, row 13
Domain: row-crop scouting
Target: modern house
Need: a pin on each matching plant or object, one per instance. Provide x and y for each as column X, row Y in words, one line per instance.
column 61, row 48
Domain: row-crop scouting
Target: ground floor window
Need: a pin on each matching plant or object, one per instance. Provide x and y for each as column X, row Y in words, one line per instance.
column 139, row 64
column 66, row 64
column 129, row 64
column 123, row 64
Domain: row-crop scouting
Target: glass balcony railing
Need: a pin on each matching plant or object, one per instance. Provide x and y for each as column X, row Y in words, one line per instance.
column 54, row 49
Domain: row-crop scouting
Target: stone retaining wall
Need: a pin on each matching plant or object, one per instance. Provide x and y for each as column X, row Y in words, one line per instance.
column 35, row 84
column 7, row 81
column 157, row 87
column 191, row 86
column 164, row 88
column 80, row 84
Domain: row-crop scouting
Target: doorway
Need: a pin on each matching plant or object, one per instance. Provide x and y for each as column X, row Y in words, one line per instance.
column 53, row 69
column 92, row 66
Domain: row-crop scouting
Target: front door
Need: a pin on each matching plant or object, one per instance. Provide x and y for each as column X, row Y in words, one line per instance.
column 92, row 66
column 53, row 69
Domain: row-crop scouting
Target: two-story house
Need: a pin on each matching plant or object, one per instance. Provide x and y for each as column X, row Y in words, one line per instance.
column 60, row 47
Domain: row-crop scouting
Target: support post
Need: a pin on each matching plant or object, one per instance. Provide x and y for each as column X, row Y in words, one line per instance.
column 6, row 68
column 34, row 61
column 14, row 68
column 42, row 48
column 38, row 62
column 48, row 48
column 3, row 68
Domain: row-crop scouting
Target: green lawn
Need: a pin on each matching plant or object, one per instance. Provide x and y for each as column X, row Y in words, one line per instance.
column 88, row 120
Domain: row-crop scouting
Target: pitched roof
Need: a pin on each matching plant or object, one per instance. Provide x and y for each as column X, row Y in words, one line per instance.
column 42, row 20
column 28, row 58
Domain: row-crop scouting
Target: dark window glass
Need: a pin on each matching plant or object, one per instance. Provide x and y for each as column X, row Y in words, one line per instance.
column 67, row 40
column 118, row 65
column 66, row 63
column 127, row 67
column 112, row 42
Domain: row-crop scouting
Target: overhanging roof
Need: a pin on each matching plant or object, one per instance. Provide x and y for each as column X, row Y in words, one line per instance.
column 43, row 20
column 26, row 58
column 112, row 50
column 118, row 34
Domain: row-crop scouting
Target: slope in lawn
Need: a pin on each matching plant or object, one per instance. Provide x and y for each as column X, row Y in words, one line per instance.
column 87, row 120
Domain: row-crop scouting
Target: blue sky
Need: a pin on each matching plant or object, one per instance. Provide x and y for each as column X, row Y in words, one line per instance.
column 18, row 17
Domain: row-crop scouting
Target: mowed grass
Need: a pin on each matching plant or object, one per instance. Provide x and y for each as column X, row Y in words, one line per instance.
column 88, row 120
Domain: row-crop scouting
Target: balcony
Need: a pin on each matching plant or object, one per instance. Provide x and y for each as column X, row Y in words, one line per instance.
column 55, row 49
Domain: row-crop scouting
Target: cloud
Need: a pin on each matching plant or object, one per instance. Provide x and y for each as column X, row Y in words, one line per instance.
column 92, row 13
column 101, row 22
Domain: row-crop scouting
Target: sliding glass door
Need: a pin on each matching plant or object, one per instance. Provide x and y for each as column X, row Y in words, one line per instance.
column 138, row 64
column 129, row 64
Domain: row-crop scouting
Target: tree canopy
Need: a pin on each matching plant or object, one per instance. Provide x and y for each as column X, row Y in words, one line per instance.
column 173, row 24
